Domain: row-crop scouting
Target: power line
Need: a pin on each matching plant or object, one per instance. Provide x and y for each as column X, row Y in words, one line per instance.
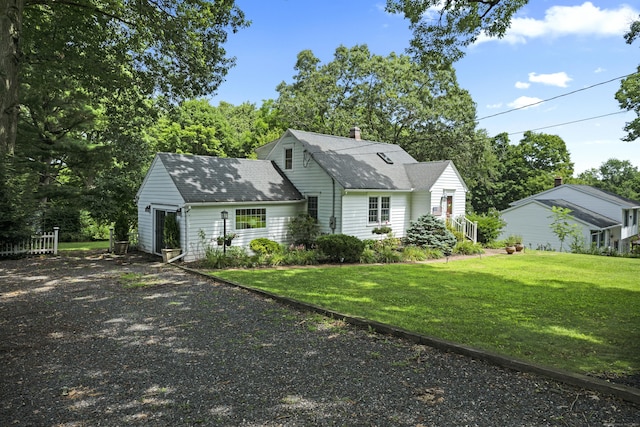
column 569, row 123
column 555, row 97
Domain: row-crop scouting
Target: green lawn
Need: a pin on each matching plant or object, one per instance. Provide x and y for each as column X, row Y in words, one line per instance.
column 574, row 312
column 83, row 246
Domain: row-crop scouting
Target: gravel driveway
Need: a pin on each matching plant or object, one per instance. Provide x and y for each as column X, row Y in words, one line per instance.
column 100, row 341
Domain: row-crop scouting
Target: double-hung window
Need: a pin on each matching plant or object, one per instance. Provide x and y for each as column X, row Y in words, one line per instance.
column 379, row 209
column 288, row 158
column 312, row 207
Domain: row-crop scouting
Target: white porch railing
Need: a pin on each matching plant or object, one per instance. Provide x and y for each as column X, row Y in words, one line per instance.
column 46, row 243
column 468, row 228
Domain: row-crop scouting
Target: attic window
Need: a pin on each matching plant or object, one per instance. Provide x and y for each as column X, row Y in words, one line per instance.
column 385, row 158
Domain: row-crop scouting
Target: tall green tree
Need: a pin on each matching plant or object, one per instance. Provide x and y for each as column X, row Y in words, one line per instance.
column 170, row 46
column 628, row 95
column 617, row 176
column 197, row 127
column 443, row 28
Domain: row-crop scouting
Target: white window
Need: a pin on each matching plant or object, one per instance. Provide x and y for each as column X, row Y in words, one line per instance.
column 251, row 218
column 379, row 209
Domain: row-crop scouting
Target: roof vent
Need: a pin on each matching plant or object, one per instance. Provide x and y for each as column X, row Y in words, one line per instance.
column 385, row 158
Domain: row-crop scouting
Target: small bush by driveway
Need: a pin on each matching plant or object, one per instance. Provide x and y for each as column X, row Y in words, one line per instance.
column 93, row 340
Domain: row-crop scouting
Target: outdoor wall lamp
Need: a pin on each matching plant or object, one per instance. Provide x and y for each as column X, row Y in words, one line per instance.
column 147, row 208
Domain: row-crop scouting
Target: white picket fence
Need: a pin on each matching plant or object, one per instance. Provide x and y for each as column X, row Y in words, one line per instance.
column 45, row 243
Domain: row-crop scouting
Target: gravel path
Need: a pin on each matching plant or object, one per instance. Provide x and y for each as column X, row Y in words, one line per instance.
column 81, row 344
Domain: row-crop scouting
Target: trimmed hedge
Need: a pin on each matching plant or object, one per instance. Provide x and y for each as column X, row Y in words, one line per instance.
column 340, row 247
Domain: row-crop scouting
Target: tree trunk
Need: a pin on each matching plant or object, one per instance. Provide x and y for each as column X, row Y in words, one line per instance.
column 10, row 32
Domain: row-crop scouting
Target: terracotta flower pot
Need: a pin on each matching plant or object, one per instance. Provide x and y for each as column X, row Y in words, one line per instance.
column 510, row 249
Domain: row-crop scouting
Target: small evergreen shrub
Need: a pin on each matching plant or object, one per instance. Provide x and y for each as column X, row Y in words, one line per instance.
column 340, row 247
column 429, row 231
column 303, row 230
column 264, row 246
column 121, row 228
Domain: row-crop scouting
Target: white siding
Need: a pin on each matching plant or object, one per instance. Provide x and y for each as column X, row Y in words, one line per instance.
column 159, row 192
column 533, row 222
column 449, row 184
column 420, row 204
column 206, row 220
column 311, row 180
column 356, row 214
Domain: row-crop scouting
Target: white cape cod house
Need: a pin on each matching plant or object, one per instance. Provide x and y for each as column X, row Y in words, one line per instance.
column 604, row 219
column 349, row 185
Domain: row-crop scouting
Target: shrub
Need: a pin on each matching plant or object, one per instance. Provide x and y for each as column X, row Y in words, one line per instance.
column 340, row 247
column 300, row 256
column 303, row 230
column 368, row 256
column 121, row 228
column 264, row 246
column 414, row 253
column 467, row 247
column 490, row 225
column 431, row 232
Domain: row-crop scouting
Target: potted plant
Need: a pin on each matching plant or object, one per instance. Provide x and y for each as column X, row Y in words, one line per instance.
column 171, row 238
column 518, row 243
column 121, row 235
column 226, row 239
column 510, row 245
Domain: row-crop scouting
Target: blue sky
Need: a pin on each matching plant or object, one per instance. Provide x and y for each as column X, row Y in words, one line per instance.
column 554, row 47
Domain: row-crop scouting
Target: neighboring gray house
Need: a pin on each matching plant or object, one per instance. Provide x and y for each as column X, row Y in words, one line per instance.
column 349, row 185
column 605, row 220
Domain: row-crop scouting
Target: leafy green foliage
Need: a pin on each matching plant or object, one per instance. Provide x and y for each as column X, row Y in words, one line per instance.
column 563, row 225
column 467, row 247
column 628, row 95
column 442, row 29
column 616, row 176
column 430, row 231
column 264, row 246
column 340, row 247
column 16, row 221
column 171, row 232
column 490, row 225
column 121, row 229
column 303, row 230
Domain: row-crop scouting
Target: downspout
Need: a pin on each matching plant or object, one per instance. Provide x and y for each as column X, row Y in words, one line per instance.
column 186, row 236
column 332, row 220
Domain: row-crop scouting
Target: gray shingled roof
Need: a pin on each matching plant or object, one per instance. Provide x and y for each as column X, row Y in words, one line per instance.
column 355, row 164
column 214, row 179
column 581, row 213
column 607, row 195
column 424, row 175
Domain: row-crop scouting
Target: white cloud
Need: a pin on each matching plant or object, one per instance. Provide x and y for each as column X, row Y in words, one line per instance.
column 555, row 79
column 583, row 20
column 599, row 70
column 494, row 106
column 522, row 85
column 524, row 101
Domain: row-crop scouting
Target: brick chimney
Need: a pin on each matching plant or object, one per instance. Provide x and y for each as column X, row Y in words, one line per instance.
column 558, row 181
column 354, row 133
